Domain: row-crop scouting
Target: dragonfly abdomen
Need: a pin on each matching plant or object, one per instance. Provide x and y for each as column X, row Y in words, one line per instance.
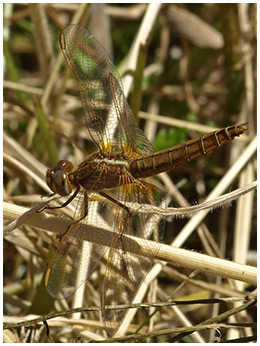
column 168, row 159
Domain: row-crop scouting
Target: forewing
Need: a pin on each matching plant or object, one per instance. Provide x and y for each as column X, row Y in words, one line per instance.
column 128, row 263
column 76, row 257
column 108, row 116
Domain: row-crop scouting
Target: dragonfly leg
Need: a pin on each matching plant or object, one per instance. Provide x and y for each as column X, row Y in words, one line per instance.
column 65, row 203
column 85, row 213
column 111, row 199
column 123, row 220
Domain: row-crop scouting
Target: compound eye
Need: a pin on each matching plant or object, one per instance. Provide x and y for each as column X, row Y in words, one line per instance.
column 57, row 178
column 63, row 165
column 61, row 183
column 49, row 179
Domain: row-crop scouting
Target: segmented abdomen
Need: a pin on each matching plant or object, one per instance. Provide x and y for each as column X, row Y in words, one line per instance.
column 168, row 159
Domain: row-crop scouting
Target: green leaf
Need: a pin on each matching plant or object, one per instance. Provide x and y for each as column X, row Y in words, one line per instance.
column 167, row 139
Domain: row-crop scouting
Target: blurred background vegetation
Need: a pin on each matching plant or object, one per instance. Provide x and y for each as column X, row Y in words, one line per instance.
column 194, row 71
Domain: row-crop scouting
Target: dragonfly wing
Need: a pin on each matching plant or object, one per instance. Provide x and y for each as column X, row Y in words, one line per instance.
column 76, row 257
column 108, row 116
column 73, row 262
column 128, row 263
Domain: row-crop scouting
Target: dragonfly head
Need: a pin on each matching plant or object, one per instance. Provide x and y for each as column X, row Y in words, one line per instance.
column 58, row 178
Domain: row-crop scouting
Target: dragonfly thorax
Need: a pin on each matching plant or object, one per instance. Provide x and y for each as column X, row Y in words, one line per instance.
column 101, row 171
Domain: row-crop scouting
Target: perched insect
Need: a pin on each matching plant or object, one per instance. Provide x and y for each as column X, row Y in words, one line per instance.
column 110, row 181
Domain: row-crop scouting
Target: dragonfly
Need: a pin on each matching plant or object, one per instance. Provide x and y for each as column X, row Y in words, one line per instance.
column 110, row 183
